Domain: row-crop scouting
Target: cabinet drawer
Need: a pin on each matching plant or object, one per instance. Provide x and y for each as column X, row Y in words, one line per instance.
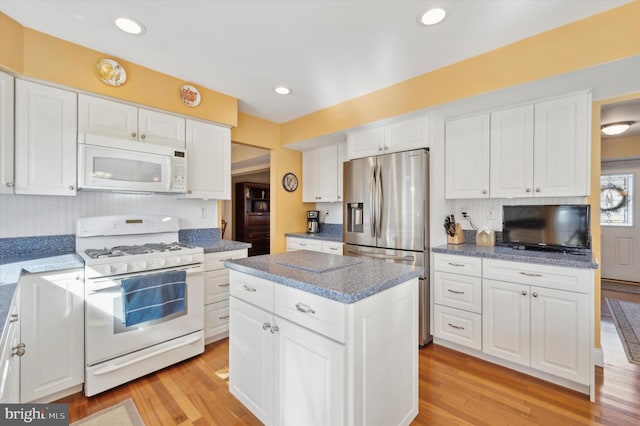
column 461, row 327
column 216, row 286
column 314, row 312
column 332, row 247
column 216, row 319
column 257, row 219
column 458, row 291
column 254, row 290
column 303, row 244
column 558, row 277
column 216, row 260
column 465, row 265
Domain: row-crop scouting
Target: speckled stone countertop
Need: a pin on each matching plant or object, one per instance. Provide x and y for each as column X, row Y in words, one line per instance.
column 527, row 256
column 210, row 240
column 340, row 278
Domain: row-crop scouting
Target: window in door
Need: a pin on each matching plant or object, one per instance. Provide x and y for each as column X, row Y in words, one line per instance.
column 616, row 203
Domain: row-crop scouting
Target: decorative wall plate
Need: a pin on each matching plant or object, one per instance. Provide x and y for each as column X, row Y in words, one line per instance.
column 110, row 72
column 190, row 95
column 290, row 182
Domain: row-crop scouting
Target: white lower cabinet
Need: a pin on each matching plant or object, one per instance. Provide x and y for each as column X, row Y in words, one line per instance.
column 216, row 294
column 324, row 246
column 297, row 358
column 11, row 350
column 52, row 330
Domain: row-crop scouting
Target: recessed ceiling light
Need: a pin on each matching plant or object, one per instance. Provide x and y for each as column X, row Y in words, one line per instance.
column 432, row 16
column 613, row 129
column 281, row 90
column 130, row 26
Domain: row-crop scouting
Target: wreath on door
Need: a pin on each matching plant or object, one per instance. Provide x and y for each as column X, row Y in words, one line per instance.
column 613, row 196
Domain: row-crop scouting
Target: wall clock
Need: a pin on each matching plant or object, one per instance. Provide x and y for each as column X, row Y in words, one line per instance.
column 290, row 182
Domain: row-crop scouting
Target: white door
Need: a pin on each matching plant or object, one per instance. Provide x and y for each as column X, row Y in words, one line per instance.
column 621, row 222
column 365, row 143
column 320, row 175
column 209, row 161
column 406, row 135
column 161, row 129
column 6, row 133
column 99, row 116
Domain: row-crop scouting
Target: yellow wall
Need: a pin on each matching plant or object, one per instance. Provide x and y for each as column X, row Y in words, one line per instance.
column 621, row 147
column 601, row 38
column 11, row 42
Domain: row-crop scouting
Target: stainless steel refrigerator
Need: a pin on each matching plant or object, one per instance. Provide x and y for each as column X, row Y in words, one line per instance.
column 386, row 215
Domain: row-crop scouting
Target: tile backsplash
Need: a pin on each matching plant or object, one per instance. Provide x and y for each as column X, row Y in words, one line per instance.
column 32, row 215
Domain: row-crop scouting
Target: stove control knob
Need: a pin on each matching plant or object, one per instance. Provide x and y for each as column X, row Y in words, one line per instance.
column 138, row 265
column 187, row 258
column 161, row 262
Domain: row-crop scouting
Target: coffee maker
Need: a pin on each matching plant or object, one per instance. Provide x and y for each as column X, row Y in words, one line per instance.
column 313, row 223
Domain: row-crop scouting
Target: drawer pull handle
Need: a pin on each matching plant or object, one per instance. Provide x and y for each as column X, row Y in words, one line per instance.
column 459, row 265
column 454, row 291
column 224, row 317
column 225, row 260
column 275, row 329
column 530, row 274
column 305, row 309
column 457, row 327
column 249, row 289
column 224, row 285
column 14, row 318
column 266, row 326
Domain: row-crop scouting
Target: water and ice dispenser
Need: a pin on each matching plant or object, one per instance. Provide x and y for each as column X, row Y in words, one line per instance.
column 355, row 217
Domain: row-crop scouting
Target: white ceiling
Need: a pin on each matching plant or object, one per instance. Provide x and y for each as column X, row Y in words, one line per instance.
column 326, row 51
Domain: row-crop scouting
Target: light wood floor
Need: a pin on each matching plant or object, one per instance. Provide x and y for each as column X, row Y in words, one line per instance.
column 455, row 389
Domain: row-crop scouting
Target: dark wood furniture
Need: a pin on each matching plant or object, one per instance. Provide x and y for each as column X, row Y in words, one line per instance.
column 252, row 216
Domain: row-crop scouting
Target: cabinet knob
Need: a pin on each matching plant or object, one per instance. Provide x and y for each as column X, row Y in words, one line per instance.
column 534, row 294
column 386, row 147
column 18, row 350
column 379, row 148
column 275, row 329
column 14, row 318
column 527, row 190
column 484, row 191
column 134, row 134
column 339, row 197
column 537, row 189
column 189, row 191
column 71, row 187
column 10, row 184
column 266, row 326
column 143, row 136
column 524, row 292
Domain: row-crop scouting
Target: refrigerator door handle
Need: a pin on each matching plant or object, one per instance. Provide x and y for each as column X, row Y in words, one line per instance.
column 380, row 202
column 372, row 203
column 382, row 256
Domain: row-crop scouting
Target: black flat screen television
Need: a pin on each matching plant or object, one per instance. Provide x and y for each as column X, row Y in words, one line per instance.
column 559, row 227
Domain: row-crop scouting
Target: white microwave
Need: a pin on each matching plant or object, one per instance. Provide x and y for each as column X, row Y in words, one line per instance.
column 117, row 165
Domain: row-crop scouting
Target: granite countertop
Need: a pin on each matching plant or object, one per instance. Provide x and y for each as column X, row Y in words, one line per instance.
column 210, row 240
column 341, row 278
column 586, row 261
column 325, row 236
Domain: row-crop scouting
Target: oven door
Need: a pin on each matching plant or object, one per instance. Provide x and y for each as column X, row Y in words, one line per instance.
column 107, row 337
column 117, row 169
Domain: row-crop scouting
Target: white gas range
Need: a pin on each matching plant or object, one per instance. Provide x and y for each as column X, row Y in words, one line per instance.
column 128, row 335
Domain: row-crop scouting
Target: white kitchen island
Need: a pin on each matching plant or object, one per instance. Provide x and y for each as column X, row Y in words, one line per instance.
column 321, row 339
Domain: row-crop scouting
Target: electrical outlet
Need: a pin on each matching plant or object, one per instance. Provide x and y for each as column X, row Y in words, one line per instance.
column 491, row 213
column 464, row 209
column 203, row 212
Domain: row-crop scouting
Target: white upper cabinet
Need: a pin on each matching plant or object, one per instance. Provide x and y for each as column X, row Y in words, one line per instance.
column 342, row 157
column 209, row 161
column 467, row 157
column 512, row 152
column 562, row 147
column 104, row 117
column 320, row 175
column 6, row 133
column 536, row 150
column 45, row 139
column 401, row 136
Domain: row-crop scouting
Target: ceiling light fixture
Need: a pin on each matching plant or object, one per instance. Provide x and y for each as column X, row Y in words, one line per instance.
column 282, row 90
column 613, row 129
column 130, row 26
column 432, row 16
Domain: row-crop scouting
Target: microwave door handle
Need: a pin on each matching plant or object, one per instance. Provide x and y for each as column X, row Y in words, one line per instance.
column 372, row 206
column 169, row 177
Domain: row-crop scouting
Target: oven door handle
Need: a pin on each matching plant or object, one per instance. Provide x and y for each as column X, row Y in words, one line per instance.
column 103, row 284
column 114, row 367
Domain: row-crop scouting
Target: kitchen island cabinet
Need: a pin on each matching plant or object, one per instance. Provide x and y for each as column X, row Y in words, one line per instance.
column 322, row 339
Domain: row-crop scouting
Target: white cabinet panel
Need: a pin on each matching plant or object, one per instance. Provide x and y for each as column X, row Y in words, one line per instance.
column 395, row 137
column 458, row 326
column 332, row 247
column 10, row 350
column 294, row 243
column 320, row 175
column 6, row 134
column 467, row 157
column 216, row 320
column 457, row 264
column 365, row 143
column 458, row 291
column 100, row 116
column 209, row 161
column 45, row 144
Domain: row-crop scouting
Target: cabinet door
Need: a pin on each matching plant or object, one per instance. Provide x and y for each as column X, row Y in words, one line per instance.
column 467, row 157
column 251, row 362
column 342, row 157
column 161, row 129
column 365, row 143
column 560, row 328
column 52, row 329
column 512, row 152
column 6, row 133
column 505, row 321
column 45, row 145
column 310, row 377
column 216, row 321
column 320, row 175
column 209, row 161
column 9, row 359
column 104, row 117
column 216, row 286
column 562, row 157
column 406, row 135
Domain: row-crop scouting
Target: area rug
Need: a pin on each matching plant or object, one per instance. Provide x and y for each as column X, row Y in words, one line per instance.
column 618, row 286
column 626, row 316
column 122, row 414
